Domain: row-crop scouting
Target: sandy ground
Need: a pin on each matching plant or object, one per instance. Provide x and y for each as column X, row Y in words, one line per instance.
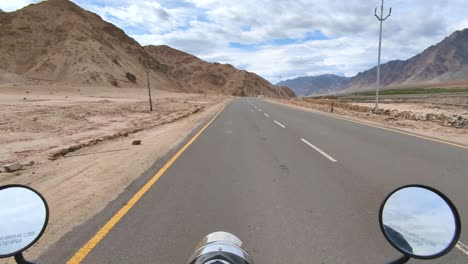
column 38, row 121
column 429, row 129
column 421, row 108
column 80, row 184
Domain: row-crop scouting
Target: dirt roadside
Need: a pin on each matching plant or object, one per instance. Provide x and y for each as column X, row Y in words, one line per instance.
column 83, row 182
column 424, row 128
column 36, row 122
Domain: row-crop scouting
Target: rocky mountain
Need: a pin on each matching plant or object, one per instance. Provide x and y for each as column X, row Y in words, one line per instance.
column 444, row 62
column 198, row 75
column 58, row 41
column 311, row 85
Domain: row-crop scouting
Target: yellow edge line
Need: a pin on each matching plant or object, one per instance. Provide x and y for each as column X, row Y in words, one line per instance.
column 381, row 127
column 86, row 249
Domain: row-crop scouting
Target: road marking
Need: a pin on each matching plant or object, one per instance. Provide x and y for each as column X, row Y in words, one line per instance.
column 319, row 150
column 86, row 249
column 259, row 109
column 462, row 247
column 377, row 126
column 279, row 124
column 266, row 115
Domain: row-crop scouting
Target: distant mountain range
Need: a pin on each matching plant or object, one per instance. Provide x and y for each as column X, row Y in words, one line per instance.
column 58, row 41
column 445, row 62
column 322, row 84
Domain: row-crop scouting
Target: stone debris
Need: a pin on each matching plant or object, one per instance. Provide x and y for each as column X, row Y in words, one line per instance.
column 136, row 142
column 29, row 164
column 12, row 167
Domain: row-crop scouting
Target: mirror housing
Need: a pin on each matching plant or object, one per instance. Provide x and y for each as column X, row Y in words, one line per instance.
column 420, row 222
column 24, row 215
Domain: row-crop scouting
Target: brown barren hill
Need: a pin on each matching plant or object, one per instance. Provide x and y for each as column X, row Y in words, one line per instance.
column 447, row 61
column 444, row 64
column 58, row 41
column 197, row 75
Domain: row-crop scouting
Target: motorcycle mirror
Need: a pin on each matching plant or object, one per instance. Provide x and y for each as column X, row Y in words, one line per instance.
column 420, row 222
column 23, row 218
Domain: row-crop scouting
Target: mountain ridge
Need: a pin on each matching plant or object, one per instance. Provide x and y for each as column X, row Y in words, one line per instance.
column 448, row 56
column 59, row 42
column 446, row 61
column 307, row 85
column 198, row 75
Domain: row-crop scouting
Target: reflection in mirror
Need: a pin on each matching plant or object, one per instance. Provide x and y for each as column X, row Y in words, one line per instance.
column 23, row 215
column 419, row 221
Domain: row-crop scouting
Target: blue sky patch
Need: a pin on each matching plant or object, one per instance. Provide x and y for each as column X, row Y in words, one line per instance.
column 237, row 45
column 246, row 28
column 134, row 30
column 316, row 35
column 284, row 41
column 203, row 18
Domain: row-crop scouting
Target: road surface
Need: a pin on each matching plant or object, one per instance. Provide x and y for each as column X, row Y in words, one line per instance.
column 295, row 186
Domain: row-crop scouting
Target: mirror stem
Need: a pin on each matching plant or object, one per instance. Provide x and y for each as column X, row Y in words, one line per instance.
column 401, row 260
column 20, row 259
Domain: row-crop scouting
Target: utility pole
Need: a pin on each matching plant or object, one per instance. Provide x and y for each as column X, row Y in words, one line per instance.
column 278, row 88
column 149, row 90
column 381, row 19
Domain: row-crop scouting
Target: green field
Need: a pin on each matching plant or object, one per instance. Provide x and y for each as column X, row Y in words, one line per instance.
column 416, row 91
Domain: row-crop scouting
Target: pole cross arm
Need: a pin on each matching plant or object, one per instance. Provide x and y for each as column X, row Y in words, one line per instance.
column 382, row 19
column 389, row 14
column 375, row 14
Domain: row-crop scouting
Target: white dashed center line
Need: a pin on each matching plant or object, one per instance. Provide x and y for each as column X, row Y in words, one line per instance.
column 318, row 150
column 266, row 115
column 279, row 124
column 259, row 109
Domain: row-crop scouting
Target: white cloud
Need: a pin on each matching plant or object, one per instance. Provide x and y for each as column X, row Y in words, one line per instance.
column 12, row 5
column 145, row 16
column 350, row 25
column 274, row 37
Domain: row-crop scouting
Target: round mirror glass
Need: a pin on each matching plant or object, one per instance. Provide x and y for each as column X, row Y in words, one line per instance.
column 420, row 222
column 23, row 217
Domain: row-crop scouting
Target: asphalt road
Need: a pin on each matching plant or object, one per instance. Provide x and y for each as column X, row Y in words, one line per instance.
column 295, row 186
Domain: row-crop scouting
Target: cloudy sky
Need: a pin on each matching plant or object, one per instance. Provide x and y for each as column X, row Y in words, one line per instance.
column 282, row 39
